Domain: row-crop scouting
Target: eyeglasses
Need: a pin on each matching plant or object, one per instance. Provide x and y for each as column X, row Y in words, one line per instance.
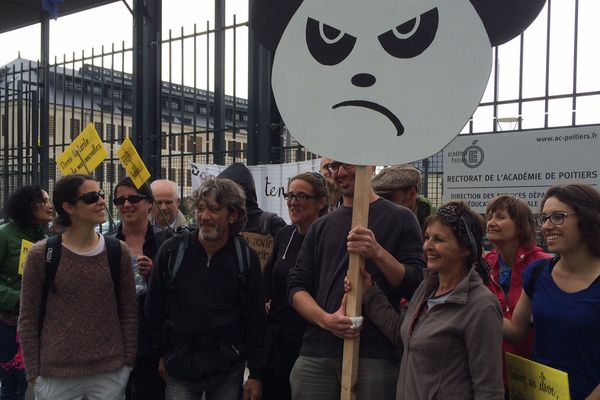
column 334, row 167
column 91, row 197
column 133, row 199
column 556, row 218
column 300, row 196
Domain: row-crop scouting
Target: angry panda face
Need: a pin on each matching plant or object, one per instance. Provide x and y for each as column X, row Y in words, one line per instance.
column 381, row 82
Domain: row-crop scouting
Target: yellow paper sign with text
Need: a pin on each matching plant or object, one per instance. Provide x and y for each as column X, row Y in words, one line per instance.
column 25, row 245
column 262, row 244
column 84, row 153
column 133, row 164
column 529, row 380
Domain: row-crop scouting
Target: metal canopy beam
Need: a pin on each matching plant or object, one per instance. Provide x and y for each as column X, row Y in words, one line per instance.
column 15, row 14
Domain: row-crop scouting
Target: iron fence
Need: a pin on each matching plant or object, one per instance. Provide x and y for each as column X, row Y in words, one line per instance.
column 97, row 88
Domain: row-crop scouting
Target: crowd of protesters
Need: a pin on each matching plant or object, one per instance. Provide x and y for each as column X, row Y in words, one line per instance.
column 160, row 310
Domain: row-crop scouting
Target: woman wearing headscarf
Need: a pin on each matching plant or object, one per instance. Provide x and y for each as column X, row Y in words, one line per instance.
column 451, row 331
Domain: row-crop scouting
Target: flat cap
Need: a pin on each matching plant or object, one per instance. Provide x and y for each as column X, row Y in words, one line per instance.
column 396, row 177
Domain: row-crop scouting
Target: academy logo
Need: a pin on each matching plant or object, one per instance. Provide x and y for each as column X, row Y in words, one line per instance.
column 473, row 155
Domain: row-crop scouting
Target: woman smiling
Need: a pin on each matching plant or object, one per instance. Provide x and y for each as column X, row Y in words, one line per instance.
column 562, row 295
column 307, row 201
column 450, row 333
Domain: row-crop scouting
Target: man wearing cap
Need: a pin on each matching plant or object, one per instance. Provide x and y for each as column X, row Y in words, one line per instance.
column 400, row 184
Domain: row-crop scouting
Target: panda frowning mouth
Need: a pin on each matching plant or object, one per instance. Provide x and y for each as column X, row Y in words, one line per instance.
column 375, row 107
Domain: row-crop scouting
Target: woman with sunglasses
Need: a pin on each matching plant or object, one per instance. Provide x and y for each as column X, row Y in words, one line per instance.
column 511, row 228
column 143, row 239
column 450, row 334
column 306, row 201
column 85, row 345
column 29, row 210
column 562, row 295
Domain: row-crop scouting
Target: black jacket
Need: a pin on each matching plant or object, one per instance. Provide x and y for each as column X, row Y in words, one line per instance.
column 205, row 300
column 155, row 236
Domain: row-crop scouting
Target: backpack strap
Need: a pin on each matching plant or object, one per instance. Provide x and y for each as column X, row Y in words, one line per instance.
column 243, row 258
column 113, row 251
column 174, row 264
column 53, row 249
column 264, row 222
column 242, row 253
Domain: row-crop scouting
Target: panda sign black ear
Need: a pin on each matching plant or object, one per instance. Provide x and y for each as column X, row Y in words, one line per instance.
column 269, row 18
column 507, row 19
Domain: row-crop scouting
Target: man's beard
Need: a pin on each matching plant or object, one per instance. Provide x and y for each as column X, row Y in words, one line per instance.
column 210, row 232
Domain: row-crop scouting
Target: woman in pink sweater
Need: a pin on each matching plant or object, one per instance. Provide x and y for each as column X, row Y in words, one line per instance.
column 82, row 342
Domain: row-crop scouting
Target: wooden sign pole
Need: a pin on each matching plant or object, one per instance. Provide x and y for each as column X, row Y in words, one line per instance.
column 360, row 217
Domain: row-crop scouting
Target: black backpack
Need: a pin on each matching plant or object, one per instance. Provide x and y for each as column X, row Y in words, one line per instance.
column 174, row 261
column 53, row 249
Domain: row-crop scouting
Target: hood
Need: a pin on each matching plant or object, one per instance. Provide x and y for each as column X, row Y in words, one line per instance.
column 241, row 175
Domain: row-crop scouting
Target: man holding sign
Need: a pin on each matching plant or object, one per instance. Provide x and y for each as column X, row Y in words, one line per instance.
column 391, row 246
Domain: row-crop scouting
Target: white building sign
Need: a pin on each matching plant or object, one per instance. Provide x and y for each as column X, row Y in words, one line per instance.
column 523, row 164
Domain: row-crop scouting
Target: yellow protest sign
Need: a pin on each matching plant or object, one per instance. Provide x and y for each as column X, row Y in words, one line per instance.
column 133, row 164
column 25, row 245
column 262, row 244
column 528, row 380
column 84, row 153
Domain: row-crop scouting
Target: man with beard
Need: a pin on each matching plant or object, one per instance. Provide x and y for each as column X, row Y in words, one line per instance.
column 204, row 306
column 391, row 246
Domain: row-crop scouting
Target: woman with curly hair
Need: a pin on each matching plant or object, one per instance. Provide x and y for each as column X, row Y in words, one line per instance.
column 29, row 210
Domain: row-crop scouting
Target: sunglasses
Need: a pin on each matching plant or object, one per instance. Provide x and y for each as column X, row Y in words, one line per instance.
column 91, row 197
column 134, row 199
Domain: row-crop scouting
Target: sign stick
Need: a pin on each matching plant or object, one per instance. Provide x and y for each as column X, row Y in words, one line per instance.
column 110, row 217
column 162, row 214
column 360, row 217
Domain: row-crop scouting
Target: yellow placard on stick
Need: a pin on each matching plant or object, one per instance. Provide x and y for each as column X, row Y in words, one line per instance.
column 133, row 164
column 529, row 380
column 84, row 153
column 25, row 245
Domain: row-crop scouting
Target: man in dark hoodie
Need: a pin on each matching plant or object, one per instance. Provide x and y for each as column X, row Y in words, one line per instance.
column 260, row 223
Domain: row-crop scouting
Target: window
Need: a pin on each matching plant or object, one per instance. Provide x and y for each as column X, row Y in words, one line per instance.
column 110, row 132
column 121, row 133
column 121, row 172
column 191, row 139
column 75, row 127
column 99, row 129
column 51, row 126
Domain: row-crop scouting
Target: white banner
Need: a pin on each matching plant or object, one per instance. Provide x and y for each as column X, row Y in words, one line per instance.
column 524, row 164
column 271, row 181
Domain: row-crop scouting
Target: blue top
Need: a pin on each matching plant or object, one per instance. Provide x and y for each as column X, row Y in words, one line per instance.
column 567, row 327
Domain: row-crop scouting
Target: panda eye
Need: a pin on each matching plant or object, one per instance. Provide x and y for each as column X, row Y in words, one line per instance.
column 328, row 45
column 411, row 38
